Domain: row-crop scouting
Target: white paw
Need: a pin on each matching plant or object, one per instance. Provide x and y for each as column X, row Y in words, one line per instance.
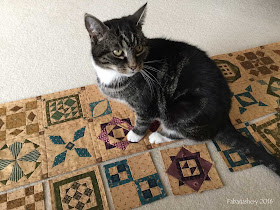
column 156, row 138
column 133, row 137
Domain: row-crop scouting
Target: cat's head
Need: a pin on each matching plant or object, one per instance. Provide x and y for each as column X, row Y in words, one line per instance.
column 118, row 44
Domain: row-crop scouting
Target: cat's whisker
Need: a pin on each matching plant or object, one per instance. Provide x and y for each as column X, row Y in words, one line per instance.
column 155, row 79
column 155, row 70
column 148, row 82
column 147, row 66
column 151, row 81
column 155, row 61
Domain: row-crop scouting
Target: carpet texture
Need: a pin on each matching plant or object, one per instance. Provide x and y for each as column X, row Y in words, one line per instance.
column 45, row 49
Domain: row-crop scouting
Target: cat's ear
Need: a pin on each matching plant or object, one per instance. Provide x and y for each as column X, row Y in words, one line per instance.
column 139, row 16
column 95, row 27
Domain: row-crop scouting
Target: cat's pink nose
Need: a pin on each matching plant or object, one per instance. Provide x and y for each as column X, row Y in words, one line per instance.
column 133, row 67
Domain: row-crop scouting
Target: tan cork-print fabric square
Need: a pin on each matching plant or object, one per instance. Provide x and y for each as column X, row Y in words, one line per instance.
column 230, row 69
column 20, row 119
column 110, row 122
column 69, row 146
column 253, row 78
column 235, row 160
column 269, row 88
column 267, row 132
column 30, row 198
column 249, row 65
column 248, row 103
column 22, row 149
column 110, row 135
column 134, row 182
column 79, row 190
column 190, row 169
column 62, row 107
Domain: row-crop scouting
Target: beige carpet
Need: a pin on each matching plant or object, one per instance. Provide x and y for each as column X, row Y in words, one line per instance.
column 44, row 48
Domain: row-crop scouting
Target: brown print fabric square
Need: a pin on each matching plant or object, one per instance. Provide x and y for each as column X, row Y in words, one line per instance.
column 247, row 65
column 16, row 203
column 15, row 120
column 32, row 128
column 2, row 135
column 29, row 191
column 2, row 111
column 3, row 198
column 250, row 56
column 30, row 206
column 39, row 196
column 31, row 105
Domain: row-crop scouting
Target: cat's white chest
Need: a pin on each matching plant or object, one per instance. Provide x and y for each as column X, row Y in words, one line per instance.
column 106, row 76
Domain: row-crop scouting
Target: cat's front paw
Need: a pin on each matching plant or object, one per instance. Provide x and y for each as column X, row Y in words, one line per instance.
column 133, row 137
column 156, row 138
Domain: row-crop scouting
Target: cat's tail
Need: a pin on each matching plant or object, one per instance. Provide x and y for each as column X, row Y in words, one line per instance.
column 228, row 135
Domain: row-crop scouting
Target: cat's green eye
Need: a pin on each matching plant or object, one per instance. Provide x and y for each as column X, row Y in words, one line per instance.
column 118, row 52
column 139, row 48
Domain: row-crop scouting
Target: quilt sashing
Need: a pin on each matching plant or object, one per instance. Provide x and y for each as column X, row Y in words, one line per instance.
column 79, row 190
column 146, row 185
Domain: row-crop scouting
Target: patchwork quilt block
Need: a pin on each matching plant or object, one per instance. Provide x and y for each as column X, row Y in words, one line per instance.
column 22, row 149
column 29, row 198
column 267, row 132
column 19, row 119
column 249, row 65
column 110, row 135
column 134, row 182
column 62, row 107
column 96, row 104
column 80, row 190
column 253, row 78
column 232, row 72
column 69, row 147
column 235, row 160
column 190, row 169
column 269, row 87
column 249, row 103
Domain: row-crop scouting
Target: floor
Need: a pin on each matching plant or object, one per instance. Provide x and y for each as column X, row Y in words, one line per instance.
column 45, row 49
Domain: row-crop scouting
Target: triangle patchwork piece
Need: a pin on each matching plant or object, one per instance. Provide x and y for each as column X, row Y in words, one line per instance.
column 249, row 88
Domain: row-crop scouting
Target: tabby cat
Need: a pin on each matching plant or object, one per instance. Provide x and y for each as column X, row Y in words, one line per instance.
column 173, row 82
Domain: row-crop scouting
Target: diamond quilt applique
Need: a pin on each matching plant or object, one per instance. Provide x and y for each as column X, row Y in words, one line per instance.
column 81, row 152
